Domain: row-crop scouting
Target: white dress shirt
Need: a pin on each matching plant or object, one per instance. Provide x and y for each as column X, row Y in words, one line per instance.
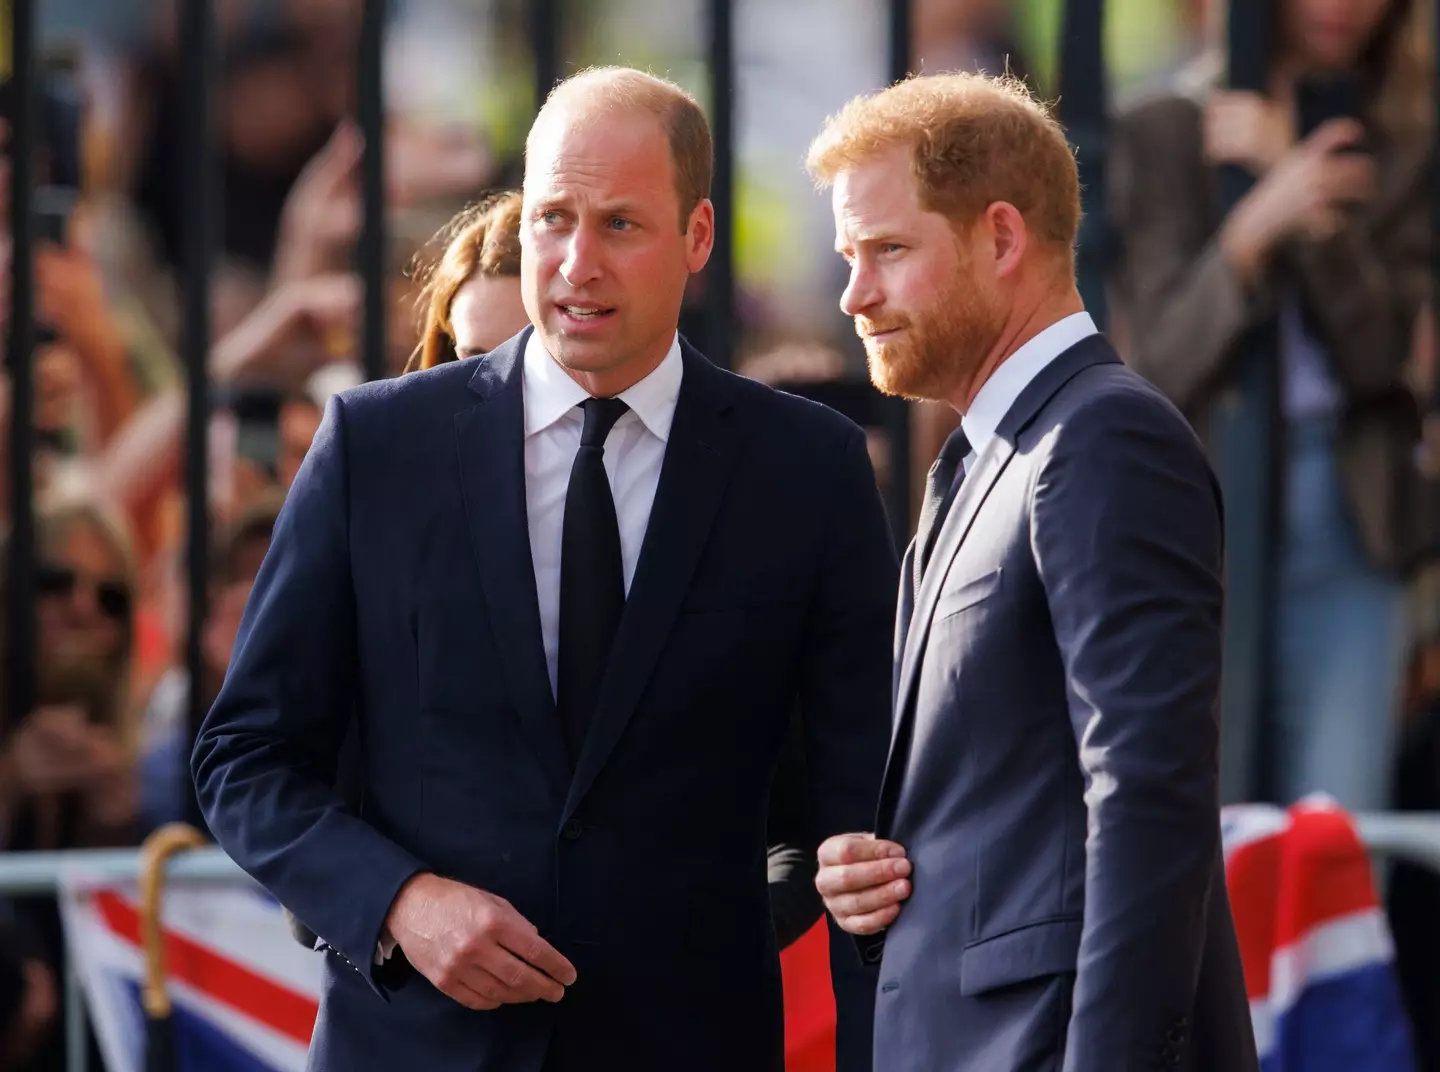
column 1006, row 383
column 634, row 453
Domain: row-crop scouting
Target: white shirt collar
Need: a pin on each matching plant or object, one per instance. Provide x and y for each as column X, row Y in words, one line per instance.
column 550, row 393
column 1006, row 383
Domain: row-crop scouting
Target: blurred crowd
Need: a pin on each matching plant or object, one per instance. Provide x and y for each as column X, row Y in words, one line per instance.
column 1324, row 269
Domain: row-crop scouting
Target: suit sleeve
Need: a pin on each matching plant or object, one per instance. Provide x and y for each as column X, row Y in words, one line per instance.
column 791, row 862
column 1127, row 536
column 845, row 678
column 266, row 757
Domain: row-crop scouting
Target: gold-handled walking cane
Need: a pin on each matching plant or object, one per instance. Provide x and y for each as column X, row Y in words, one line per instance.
column 155, row 854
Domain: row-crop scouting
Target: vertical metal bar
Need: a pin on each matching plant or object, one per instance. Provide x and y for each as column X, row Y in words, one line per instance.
column 1244, row 437
column 77, row 1040
column 20, row 609
column 720, row 309
column 372, row 250
column 197, row 59
column 1083, row 110
column 545, row 46
column 897, row 410
column 1435, row 216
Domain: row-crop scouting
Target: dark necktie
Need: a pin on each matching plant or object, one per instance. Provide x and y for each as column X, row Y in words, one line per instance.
column 940, row 487
column 592, row 575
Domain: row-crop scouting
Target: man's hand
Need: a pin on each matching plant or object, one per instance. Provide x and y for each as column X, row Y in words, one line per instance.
column 473, row 946
column 863, row 880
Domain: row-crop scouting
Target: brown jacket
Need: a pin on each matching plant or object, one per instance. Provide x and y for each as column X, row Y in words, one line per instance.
column 1186, row 310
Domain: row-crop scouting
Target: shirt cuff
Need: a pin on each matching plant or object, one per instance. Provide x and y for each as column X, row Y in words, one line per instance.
column 384, row 948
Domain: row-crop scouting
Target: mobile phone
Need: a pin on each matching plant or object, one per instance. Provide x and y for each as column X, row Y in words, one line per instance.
column 52, row 213
column 1319, row 99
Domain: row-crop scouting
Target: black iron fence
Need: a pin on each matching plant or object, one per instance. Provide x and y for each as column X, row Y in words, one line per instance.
column 1084, row 106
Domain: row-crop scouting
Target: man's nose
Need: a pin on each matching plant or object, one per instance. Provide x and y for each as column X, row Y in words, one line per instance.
column 860, row 292
column 583, row 258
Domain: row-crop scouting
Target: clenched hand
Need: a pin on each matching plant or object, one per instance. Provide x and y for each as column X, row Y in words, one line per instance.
column 863, row 881
column 474, row 946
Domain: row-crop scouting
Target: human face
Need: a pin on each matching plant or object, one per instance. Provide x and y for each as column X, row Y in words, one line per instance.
column 1331, row 34
column 603, row 261
column 85, row 602
column 486, row 311
column 927, row 314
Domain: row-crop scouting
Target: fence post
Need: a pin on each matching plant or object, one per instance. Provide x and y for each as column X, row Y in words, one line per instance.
column 896, row 410
column 720, row 311
column 1243, row 443
column 545, row 46
column 20, row 565
column 1083, row 110
column 198, row 234
column 370, row 109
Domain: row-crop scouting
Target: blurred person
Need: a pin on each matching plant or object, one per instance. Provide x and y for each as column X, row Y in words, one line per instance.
column 67, row 772
column 471, row 297
column 295, row 429
column 591, row 768
column 165, row 729
column 976, row 35
column 68, row 780
column 1045, row 885
column 1331, row 247
column 29, row 998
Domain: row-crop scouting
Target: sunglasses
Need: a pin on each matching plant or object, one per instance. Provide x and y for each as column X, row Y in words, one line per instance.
column 112, row 597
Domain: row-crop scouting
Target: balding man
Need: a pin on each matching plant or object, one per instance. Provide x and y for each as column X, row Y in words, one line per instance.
column 574, row 591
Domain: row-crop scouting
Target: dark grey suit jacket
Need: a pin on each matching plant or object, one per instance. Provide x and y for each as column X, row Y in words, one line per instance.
column 1053, row 773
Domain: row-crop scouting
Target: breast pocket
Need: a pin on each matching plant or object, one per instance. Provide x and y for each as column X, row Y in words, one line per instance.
column 967, row 594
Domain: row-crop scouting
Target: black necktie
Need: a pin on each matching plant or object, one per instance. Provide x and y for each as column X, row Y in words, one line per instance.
column 592, row 575
column 940, row 488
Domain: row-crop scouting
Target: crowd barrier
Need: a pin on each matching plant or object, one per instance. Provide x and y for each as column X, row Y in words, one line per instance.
column 1411, row 837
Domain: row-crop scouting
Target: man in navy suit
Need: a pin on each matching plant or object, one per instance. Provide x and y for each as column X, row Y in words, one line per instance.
column 1045, row 887
column 573, row 592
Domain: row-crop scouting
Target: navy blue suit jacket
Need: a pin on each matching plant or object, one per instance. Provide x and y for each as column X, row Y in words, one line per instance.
column 399, row 587
column 1054, row 774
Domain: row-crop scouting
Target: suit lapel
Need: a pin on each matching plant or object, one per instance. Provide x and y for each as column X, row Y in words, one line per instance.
column 490, row 438
column 972, row 495
column 699, row 458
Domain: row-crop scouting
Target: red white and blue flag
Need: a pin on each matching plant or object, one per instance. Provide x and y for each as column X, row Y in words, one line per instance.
column 1319, row 960
column 244, row 993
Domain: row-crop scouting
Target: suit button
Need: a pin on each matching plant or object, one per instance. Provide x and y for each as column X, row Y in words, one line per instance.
column 572, row 830
column 1175, row 1036
column 1170, row 1056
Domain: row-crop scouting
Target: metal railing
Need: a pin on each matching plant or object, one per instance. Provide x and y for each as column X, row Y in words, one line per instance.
column 1413, row 838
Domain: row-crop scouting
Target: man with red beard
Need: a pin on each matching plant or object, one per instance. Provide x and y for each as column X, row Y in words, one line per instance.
column 1045, row 887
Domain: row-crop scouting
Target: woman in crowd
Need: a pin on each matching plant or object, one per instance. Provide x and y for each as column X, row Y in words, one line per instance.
column 67, row 768
column 1325, row 262
column 471, row 297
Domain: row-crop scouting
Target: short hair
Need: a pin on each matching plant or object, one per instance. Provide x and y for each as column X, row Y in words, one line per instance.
column 483, row 240
column 975, row 139
column 692, row 150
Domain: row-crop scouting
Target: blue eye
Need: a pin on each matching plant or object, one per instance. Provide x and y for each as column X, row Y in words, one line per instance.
column 620, row 223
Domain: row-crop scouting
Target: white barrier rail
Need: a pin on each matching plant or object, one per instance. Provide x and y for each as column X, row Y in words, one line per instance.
column 1411, row 837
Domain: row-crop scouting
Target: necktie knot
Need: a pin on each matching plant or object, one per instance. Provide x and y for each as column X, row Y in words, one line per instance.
column 952, row 454
column 600, row 416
